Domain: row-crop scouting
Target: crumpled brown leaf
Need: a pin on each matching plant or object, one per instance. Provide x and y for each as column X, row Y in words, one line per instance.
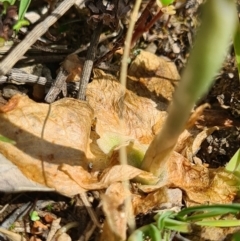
column 105, row 95
column 222, row 188
column 155, row 200
column 153, row 77
column 73, row 65
column 110, row 175
column 117, row 212
column 46, row 136
column 201, row 184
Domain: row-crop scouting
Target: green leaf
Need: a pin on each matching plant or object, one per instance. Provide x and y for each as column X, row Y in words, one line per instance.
column 24, row 4
column 166, row 2
column 179, row 226
column 234, row 164
column 20, row 23
column 34, row 216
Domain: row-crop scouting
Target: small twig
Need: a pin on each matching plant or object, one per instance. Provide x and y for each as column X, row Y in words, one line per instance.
column 4, row 208
column 58, row 86
column 144, row 23
column 123, row 80
column 22, row 77
column 27, row 78
column 88, row 64
column 90, row 210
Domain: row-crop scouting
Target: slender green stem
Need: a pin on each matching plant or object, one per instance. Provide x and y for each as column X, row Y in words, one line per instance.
column 212, row 41
column 236, row 44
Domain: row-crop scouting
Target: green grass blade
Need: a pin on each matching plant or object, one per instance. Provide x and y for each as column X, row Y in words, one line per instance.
column 161, row 216
column 219, row 223
column 218, row 209
column 179, row 226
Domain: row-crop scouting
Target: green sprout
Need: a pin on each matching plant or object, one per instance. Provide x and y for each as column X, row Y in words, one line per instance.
column 166, row 2
column 49, row 207
column 34, row 216
column 24, row 4
column 12, row 226
column 167, row 222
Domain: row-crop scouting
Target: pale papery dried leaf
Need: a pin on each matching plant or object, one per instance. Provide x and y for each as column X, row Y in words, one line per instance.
column 83, row 178
column 105, row 95
column 200, row 137
column 184, row 174
column 153, row 77
column 46, row 136
column 55, row 225
column 154, row 200
column 222, row 189
column 63, row 237
column 73, row 65
column 109, row 176
column 184, row 141
column 11, row 235
column 180, row 172
column 216, row 233
column 201, row 184
column 196, row 115
column 119, row 173
column 115, row 210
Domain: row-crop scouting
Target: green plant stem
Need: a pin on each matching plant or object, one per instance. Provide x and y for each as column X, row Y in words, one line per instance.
column 212, row 41
column 236, row 44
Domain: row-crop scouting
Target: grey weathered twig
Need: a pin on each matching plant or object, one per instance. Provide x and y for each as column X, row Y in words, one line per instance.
column 88, row 64
column 58, row 86
column 31, row 38
column 28, row 78
column 22, row 77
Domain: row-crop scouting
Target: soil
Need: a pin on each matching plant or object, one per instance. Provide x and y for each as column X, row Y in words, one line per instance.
column 172, row 38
